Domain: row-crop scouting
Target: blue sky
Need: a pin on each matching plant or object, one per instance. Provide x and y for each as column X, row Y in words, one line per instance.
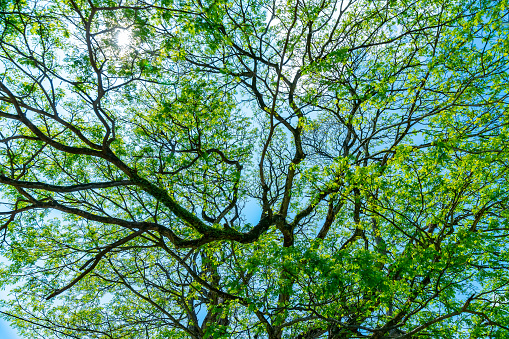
column 6, row 332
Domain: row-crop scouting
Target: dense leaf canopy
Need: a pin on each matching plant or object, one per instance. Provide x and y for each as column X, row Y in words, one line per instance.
column 255, row 168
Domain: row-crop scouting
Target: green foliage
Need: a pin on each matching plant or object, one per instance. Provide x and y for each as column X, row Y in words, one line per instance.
column 255, row 169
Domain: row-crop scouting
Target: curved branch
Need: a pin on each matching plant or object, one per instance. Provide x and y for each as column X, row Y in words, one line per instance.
column 62, row 189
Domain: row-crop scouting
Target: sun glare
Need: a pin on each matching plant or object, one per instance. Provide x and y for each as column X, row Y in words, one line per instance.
column 123, row 38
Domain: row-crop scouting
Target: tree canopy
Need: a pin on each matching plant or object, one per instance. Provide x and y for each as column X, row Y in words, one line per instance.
column 255, row 168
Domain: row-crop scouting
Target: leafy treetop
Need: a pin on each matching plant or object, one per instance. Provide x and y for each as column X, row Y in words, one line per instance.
column 255, row 169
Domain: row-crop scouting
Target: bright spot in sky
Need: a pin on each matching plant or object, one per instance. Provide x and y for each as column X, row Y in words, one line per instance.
column 123, row 38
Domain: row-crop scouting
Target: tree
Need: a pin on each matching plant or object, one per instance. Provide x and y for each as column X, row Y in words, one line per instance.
column 255, row 169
